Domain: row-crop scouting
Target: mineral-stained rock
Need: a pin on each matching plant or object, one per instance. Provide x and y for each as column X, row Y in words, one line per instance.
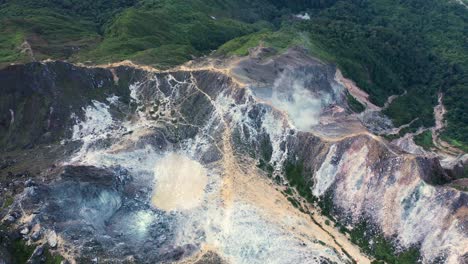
column 29, row 183
column 291, row 120
column 36, row 236
column 38, row 251
column 52, row 239
column 24, row 231
column 11, row 218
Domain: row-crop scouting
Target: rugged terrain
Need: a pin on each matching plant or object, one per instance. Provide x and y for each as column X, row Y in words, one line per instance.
column 408, row 51
column 282, row 170
column 233, row 131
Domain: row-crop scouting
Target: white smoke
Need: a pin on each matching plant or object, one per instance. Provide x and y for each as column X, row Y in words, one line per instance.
column 291, row 96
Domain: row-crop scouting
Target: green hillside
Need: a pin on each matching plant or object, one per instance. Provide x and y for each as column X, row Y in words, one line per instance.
column 386, row 46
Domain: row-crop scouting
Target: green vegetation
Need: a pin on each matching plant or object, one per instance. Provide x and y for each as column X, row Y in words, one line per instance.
column 296, row 176
column 385, row 46
column 288, row 191
column 388, row 47
column 279, row 40
column 294, row 202
column 167, row 35
column 21, row 252
column 50, row 34
column 53, row 259
column 161, row 33
column 326, row 204
column 456, row 143
column 380, row 247
column 265, row 166
column 424, row 140
column 7, row 202
column 354, row 104
column 363, row 234
column 460, row 187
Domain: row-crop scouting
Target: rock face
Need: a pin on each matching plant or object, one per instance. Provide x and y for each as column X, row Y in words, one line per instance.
column 267, row 126
column 37, row 100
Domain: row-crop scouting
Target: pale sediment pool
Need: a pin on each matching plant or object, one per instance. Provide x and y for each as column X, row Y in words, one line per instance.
column 180, row 183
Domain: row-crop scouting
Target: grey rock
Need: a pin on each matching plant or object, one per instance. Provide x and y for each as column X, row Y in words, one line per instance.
column 38, row 251
column 24, row 231
column 52, row 239
column 29, row 183
column 36, row 236
column 11, row 219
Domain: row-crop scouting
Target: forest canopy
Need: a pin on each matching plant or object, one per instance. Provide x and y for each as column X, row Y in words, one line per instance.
column 414, row 48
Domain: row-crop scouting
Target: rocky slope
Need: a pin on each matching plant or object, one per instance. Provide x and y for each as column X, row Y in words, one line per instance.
column 255, row 160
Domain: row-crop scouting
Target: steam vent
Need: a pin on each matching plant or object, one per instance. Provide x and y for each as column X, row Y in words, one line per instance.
column 231, row 131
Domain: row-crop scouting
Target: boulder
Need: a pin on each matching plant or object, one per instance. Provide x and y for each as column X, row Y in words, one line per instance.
column 52, row 239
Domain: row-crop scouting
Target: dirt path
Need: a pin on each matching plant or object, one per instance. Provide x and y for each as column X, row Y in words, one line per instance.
column 444, row 147
column 357, row 93
column 391, row 99
column 242, row 181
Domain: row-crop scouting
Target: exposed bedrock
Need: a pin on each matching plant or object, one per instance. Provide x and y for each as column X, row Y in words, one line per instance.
column 120, row 122
column 360, row 180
